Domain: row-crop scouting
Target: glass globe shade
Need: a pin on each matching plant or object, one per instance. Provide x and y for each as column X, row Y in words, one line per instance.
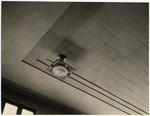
column 60, row 71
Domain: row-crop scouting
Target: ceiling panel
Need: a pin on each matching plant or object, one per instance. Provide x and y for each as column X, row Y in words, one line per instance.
column 104, row 41
column 107, row 44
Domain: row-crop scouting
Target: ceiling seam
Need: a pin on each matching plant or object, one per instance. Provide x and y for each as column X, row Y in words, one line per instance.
column 100, row 92
column 112, row 63
column 114, row 49
column 131, row 17
column 77, row 88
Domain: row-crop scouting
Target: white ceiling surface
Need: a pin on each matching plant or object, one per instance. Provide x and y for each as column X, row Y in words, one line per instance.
column 114, row 54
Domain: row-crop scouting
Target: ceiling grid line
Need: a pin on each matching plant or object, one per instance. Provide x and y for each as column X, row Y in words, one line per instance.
column 108, row 91
column 91, row 82
column 122, row 23
column 76, row 87
column 128, row 32
column 91, row 65
column 112, row 48
column 143, row 7
column 106, row 96
column 131, row 17
column 107, row 76
column 97, row 91
column 117, row 51
column 110, row 58
column 116, row 37
column 107, row 56
column 134, row 37
column 93, row 89
column 123, row 76
column 119, row 91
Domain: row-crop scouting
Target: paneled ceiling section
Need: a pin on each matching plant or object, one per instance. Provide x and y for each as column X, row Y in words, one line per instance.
column 110, row 49
column 107, row 44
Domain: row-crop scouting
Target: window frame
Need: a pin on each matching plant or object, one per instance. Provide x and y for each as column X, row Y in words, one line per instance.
column 20, row 106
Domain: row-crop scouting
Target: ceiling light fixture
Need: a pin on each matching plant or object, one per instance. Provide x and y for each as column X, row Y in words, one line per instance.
column 61, row 69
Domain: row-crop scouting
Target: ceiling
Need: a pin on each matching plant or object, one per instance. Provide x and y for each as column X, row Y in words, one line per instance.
column 107, row 44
